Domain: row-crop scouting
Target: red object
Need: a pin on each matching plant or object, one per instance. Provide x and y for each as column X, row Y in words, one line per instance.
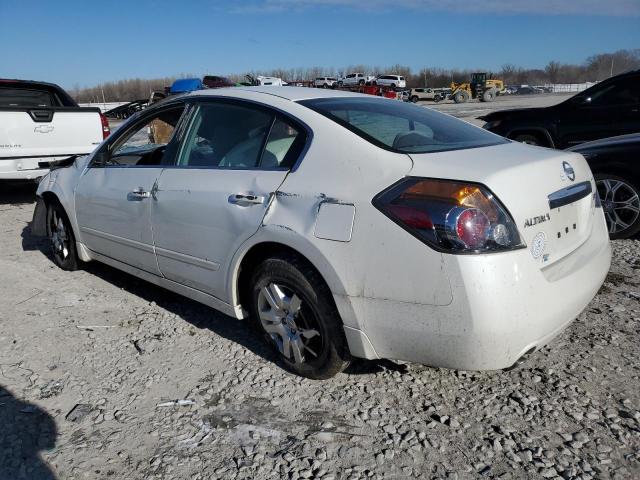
column 472, row 227
column 411, row 217
column 106, row 130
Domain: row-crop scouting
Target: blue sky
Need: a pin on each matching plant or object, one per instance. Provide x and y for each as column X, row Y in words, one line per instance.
column 88, row 42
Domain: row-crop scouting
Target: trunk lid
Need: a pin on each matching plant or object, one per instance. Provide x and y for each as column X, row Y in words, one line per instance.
column 550, row 194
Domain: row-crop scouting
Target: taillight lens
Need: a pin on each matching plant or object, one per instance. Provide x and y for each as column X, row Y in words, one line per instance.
column 450, row 216
column 106, row 130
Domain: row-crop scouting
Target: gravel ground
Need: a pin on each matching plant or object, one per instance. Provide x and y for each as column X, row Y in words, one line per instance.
column 106, row 376
column 473, row 109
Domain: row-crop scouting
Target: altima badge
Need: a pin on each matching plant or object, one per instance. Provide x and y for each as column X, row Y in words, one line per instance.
column 569, row 172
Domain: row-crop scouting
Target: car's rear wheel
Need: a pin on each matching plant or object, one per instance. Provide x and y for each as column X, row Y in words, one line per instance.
column 620, row 200
column 63, row 243
column 361, row 82
column 292, row 305
column 414, row 99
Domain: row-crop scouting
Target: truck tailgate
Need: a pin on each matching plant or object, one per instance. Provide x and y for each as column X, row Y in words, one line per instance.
column 50, row 132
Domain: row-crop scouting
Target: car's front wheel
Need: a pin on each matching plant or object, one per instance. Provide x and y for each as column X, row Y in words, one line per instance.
column 620, row 200
column 414, row 99
column 293, row 306
column 63, row 243
column 528, row 139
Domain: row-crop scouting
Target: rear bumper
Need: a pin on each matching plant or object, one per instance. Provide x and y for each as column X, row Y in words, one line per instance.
column 23, row 168
column 503, row 306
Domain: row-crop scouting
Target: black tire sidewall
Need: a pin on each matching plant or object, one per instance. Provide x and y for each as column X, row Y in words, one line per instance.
column 71, row 262
column 334, row 357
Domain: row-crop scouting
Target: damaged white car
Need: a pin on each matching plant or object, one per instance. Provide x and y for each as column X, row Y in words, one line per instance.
column 343, row 225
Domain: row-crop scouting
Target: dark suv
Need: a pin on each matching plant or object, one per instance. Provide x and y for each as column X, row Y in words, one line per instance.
column 607, row 109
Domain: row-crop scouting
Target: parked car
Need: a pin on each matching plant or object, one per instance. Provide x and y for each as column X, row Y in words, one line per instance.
column 355, row 79
column 324, row 82
column 607, row 109
column 40, row 123
column 215, row 81
column 393, row 81
column 449, row 244
column 527, row 90
column 422, row 94
column 617, row 174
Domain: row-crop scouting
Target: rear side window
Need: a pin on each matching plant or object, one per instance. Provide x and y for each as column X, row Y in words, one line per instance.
column 402, row 127
column 24, row 97
column 228, row 135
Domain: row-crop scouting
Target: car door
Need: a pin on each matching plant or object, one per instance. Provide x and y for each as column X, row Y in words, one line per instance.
column 232, row 160
column 114, row 193
column 610, row 109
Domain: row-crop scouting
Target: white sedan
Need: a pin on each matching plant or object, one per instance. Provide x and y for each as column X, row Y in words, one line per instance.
column 342, row 225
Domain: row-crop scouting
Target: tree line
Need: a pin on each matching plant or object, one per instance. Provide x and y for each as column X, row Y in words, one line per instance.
column 595, row 68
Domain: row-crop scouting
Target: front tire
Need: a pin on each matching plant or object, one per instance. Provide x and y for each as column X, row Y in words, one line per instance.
column 60, row 234
column 620, row 200
column 293, row 307
column 414, row 99
column 461, row 97
column 528, row 139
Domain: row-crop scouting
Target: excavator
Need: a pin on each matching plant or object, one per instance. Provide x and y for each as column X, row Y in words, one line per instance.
column 481, row 87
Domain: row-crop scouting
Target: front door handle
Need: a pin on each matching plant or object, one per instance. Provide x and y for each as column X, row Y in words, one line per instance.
column 138, row 194
column 246, row 200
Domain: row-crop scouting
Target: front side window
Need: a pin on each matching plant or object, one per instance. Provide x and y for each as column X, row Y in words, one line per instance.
column 402, row 127
column 620, row 92
column 229, row 135
column 145, row 144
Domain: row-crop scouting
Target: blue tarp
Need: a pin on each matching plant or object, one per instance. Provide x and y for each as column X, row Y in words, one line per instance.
column 186, row 85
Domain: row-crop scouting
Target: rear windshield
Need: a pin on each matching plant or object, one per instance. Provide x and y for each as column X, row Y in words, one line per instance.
column 402, row 127
column 22, row 97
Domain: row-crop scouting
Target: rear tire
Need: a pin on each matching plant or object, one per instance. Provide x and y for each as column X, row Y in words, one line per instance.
column 620, row 198
column 489, row 95
column 60, row 234
column 293, row 307
column 414, row 99
column 361, row 82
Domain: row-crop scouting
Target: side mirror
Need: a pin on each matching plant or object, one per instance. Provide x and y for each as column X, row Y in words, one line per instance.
column 99, row 159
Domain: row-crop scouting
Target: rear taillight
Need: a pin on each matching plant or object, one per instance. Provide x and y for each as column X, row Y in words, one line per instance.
column 450, row 216
column 106, row 130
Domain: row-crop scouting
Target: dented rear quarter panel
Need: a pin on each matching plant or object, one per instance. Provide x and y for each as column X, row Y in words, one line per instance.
column 381, row 260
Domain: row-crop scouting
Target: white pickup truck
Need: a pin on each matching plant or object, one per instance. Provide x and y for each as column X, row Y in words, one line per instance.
column 40, row 123
column 355, row 79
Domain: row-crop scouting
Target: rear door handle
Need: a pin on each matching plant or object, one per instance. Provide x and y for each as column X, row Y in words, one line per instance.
column 139, row 193
column 246, row 200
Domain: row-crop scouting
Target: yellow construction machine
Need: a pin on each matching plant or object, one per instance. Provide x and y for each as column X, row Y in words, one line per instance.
column 481, row 87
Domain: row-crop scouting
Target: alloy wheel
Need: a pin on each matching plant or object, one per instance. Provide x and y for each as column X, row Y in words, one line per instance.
column 288, row 322
column 59, row 236
column 620, row 203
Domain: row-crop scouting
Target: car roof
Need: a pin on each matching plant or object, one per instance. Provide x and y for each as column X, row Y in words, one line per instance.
column 286, row 92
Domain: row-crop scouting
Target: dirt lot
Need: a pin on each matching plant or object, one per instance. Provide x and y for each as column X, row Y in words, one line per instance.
column 106, row 376
column 473, row 109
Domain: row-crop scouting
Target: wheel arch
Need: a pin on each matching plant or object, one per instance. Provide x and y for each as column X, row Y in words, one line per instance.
column 258, row 251
column 539, row 132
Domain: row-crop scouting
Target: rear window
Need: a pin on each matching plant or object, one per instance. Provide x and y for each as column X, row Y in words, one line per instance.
column 23, row 97
column 402, row 127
